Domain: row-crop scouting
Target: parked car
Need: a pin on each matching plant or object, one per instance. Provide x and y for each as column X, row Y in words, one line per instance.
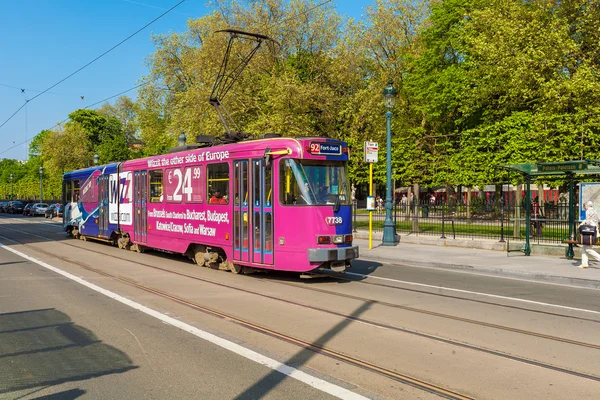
column 15, row 207
column 27, row 209
column 3, row 206
column 54, row 210
column 38, row 209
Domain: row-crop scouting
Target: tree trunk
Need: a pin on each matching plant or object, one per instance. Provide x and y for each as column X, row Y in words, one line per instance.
column 469, row 202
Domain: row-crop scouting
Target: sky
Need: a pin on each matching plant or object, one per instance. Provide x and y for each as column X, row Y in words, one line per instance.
column 44, row 41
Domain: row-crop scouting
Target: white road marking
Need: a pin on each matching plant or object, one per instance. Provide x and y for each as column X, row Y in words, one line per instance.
column 275, row 365
column 475, row 293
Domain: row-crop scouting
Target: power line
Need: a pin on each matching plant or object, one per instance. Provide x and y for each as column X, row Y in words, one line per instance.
column 22, row 89
column 66, row 119
column 300, row 13
column 94, row 60
column 116, row 95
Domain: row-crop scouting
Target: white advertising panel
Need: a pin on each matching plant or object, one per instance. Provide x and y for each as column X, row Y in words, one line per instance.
column 370, row 203
column 589, row 191
column 120, row 206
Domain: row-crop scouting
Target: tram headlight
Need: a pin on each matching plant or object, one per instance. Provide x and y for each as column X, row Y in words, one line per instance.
column 338, row 239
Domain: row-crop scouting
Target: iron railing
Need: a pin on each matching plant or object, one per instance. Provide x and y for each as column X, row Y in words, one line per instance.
column 478, row 220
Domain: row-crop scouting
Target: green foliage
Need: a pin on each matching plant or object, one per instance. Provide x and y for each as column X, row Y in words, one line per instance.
column 480, row 84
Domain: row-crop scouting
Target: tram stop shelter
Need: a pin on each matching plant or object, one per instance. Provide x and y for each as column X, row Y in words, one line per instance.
column 569, row 170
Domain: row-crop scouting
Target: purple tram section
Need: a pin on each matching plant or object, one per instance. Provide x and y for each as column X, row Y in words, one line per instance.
column 86, row 197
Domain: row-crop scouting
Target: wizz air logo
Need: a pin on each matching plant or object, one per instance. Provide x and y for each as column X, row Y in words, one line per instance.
column 122, row 189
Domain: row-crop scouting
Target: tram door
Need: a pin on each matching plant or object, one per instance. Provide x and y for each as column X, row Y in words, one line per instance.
column 241, row 222
column 262, row 212
column 103, row 213
column 140, row 198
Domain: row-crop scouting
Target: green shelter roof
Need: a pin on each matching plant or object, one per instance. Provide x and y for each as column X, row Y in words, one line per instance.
column 577, row 167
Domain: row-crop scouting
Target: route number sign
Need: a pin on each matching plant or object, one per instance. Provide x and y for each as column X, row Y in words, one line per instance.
column 371, row 152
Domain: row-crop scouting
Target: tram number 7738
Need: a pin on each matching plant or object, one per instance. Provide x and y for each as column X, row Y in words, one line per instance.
column 333, row 221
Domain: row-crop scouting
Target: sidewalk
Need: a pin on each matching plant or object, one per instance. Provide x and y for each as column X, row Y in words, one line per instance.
column 487, row 262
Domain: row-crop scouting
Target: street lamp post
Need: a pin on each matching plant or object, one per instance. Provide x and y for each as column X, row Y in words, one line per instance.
column 389, row 229
column 41, row 185
column 11, row 186
column 96, row 159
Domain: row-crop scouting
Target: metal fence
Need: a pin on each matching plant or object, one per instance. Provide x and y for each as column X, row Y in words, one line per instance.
column 478, row 220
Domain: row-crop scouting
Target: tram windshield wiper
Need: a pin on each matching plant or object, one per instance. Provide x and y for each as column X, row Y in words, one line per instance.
column 336, row 208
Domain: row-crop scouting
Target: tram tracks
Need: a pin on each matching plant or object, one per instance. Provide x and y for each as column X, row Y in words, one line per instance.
column 449, row 296
column 342, row 315
column 342, row 276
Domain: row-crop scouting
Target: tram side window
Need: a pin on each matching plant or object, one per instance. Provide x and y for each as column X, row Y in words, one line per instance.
column 156, row 185
column 218, row 183
column 68, row 192
column 76, row 190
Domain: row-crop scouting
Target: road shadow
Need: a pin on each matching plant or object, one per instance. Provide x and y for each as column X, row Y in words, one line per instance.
column 274, row 378
column 64, row 395
column 45, row 348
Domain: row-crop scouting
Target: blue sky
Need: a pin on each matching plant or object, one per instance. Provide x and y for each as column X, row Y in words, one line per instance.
column 44, row 41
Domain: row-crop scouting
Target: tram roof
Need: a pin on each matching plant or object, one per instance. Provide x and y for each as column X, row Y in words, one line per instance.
column 89, row 170
column 575, row 167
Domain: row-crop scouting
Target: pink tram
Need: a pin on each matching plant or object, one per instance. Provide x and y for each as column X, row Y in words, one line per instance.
column 275, row 203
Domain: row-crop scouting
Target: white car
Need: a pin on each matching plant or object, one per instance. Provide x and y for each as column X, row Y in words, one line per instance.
column 39, row 209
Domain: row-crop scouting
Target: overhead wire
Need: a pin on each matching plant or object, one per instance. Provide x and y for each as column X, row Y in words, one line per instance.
column 94, row 60
column 22, row 90
column 137, row 86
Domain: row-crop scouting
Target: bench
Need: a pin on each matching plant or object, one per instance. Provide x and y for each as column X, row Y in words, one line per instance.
column 569, row 252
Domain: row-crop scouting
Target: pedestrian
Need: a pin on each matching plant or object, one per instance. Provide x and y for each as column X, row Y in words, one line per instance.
column 404, row 203
column 590, row 224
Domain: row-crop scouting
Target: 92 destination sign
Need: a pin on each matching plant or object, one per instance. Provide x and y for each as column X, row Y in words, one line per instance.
column 325, row 148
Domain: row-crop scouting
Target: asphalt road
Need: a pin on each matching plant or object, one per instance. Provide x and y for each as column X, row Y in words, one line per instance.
column 477, row 336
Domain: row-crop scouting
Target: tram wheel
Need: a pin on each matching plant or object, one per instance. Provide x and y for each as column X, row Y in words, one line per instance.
column 138, row 248
column 236, row 268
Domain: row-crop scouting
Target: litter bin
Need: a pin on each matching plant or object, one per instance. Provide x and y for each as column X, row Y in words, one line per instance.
column 425, row 211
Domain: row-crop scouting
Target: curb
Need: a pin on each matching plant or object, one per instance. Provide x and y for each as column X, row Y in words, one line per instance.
column 499, row 272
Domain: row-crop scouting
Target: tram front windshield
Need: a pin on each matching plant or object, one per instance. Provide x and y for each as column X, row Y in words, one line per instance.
column 313, row 182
